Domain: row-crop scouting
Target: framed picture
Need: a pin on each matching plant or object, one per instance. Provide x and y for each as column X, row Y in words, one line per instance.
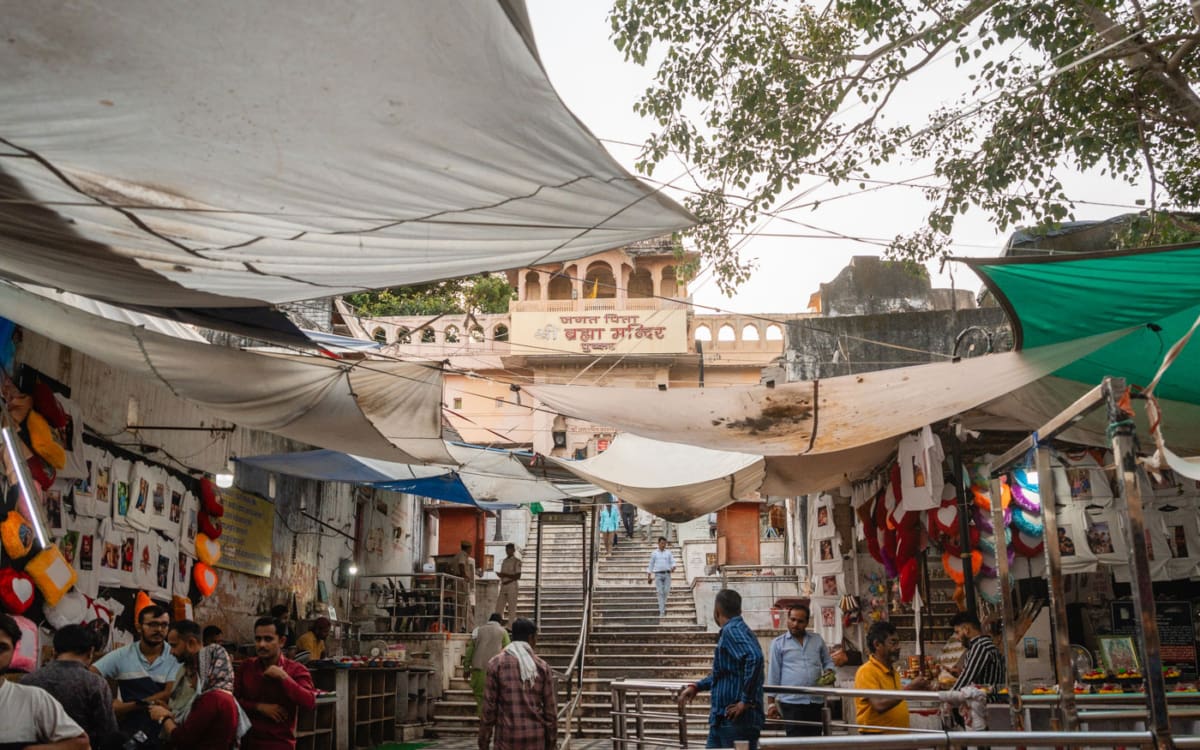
column 1119, row 654
column 1031, row 648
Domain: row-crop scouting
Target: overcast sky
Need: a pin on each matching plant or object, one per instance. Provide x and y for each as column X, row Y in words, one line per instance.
column 600, row 88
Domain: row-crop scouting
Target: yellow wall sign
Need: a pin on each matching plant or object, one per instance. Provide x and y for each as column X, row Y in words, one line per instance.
column 596, row 331
column 249, row 530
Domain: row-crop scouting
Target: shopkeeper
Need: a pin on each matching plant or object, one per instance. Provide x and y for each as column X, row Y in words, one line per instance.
column 311, row 645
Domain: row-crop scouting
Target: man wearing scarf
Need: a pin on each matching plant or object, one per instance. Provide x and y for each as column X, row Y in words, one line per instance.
column 203, row 712
column 519, row 706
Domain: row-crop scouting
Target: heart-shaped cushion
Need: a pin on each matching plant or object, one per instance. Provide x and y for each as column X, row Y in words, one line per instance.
column 946, row 519
column 17, row 535
column 208, row 550
column 210, row 526
column 16, row 591
column 210, row 498
column 205, row 578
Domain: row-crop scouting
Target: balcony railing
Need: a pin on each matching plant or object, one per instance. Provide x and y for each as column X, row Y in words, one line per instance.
column 595, row 305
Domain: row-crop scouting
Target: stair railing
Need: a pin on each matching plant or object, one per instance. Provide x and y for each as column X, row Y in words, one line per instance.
column 574, row 673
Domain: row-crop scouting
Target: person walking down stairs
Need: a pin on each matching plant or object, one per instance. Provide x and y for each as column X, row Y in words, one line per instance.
column 662, row 564
column 610, row 521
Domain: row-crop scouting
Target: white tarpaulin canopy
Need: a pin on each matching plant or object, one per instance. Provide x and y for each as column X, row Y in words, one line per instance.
column 498, row 475
column 676, row 482
column 810, row 418
column 229, row 154
column 381, row 409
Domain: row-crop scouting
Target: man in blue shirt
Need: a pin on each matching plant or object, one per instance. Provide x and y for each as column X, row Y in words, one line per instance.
column 736, row 679
column 798, row 659
column 144, row 672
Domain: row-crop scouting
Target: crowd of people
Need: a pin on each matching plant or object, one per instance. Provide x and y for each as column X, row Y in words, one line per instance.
column 173, row 687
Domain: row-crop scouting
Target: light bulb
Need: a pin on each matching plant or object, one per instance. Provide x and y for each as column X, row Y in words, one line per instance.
column 352, row 570
column 224, row 477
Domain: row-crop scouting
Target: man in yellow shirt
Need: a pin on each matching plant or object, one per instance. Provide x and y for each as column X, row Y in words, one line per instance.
column 314, row 640
column 879, row 673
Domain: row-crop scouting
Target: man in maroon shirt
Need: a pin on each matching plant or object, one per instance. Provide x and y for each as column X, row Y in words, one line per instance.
column 270, row 689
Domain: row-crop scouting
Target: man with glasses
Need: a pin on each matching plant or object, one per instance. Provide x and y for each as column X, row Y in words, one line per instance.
column 144, row 673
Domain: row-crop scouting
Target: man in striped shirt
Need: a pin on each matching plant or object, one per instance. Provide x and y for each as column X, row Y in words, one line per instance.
column 736, row 680
column 982, row 664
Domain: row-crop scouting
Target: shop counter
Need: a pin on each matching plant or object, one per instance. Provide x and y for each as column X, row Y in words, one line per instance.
column 367, row 706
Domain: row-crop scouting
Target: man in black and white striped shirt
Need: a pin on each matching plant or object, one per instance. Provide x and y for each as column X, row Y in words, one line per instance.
column 982, row 665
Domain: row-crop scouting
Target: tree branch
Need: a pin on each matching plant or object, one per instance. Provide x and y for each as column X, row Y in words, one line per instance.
column 1172, row 85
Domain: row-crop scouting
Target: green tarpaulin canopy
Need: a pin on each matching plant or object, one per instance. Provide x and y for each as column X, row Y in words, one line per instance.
column 1154, row 293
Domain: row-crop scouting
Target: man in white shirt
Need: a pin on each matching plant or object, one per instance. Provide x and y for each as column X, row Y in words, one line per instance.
column 510, row 574
column 32, row 717
column 658, row 572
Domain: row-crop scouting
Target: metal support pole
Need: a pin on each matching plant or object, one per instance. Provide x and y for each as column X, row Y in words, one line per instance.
column 1007, row 613
column 826, row 720
column 537, row 579
column 640, row 721
column 618, row 718
column 441, row 621
column 965, row 506
column 1130, row 491
column 683, row 733
column 1058, row 604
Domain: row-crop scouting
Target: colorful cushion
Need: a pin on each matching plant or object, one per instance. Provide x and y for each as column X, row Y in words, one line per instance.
column 52, row 573
column 25, row 655
column 208, row 550
column 72, row 609
column 16, row 591
column 181, row 608
column 17, row 535
column 210, row 526
column 140, row 602
column 210, row 498
column 205, row 578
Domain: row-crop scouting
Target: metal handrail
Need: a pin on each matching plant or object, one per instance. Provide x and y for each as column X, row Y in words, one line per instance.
column 568, row 712
column 955, row 740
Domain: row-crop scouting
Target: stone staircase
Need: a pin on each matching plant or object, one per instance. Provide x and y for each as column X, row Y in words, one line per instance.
column 628, row 639
column 558, row 630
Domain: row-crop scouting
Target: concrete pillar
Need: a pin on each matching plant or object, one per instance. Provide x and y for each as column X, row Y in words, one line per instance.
column 656, row 280
column 544, row 283
column 578, row 281
column 615, row 267
column 521, row 286
column 622, row 278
